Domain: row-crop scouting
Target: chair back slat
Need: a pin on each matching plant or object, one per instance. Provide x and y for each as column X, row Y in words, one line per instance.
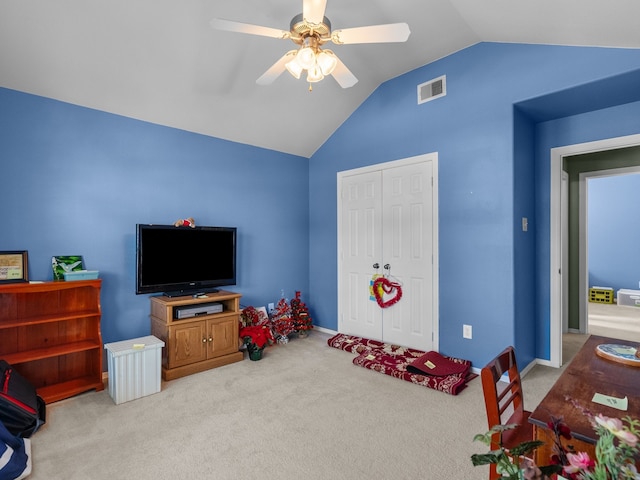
column 503, row 400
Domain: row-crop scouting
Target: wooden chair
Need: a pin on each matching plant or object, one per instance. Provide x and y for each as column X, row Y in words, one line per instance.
column 505, row 404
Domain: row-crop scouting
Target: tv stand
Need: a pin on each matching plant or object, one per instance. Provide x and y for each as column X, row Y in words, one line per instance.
column 193, row 293
column 198, row 343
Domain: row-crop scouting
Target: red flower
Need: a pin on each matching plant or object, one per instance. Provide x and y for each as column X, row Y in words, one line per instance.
column 560, row 428
column 259, row 335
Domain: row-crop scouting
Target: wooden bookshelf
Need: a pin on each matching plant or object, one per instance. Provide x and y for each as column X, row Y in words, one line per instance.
column 50, row 333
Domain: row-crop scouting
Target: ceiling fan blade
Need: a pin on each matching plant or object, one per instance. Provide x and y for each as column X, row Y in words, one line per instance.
column 313, row 10
column 276, row 69
column 391, row 32
column 343, row 75
column 230, row 26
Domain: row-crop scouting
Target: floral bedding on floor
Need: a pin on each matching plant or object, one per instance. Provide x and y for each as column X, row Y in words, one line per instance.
column 393, row 360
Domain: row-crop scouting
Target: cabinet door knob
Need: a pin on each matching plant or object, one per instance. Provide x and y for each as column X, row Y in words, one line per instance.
column 204, row 340
column 211, row 339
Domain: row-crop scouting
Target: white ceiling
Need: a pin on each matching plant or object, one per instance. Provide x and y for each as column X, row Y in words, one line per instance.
column 160, row 61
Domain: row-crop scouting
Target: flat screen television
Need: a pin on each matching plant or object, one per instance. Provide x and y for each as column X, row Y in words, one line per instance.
column 183, row 260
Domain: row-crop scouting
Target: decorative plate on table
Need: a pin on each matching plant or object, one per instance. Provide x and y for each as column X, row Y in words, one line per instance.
column 626, row 354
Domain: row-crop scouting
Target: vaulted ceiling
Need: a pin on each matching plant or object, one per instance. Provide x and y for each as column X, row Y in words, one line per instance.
column 160, row 61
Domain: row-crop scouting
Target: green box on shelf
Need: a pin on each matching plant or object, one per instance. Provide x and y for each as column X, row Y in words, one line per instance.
column 67, row 263
column 81, row 275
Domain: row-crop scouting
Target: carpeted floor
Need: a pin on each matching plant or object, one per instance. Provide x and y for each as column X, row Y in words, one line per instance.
column 303, row 411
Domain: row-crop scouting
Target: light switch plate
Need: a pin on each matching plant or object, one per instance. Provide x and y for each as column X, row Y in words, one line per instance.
column 467, row 331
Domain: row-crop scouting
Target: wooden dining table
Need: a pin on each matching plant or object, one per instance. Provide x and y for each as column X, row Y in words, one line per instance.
column 572, row 394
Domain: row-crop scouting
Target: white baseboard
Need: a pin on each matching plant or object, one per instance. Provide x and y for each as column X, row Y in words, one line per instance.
column 325, row 330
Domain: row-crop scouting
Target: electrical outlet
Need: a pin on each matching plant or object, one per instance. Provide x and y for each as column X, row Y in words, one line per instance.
column 466, row 331
column 270, row 307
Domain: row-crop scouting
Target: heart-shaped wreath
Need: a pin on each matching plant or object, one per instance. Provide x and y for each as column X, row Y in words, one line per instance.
column 381, row 286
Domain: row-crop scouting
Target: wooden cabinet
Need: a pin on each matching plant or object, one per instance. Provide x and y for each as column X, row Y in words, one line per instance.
column 50, row 333
column 196, row 343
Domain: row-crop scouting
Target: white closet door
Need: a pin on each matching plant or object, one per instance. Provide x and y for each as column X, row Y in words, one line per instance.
column 388, row 217
column 407, row 247
column 361, row 247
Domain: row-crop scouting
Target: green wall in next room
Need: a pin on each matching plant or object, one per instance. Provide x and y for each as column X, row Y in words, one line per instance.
column 574, row 166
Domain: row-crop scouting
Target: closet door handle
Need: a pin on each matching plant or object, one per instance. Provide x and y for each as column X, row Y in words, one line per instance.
column 387, row 266
column 376, row 265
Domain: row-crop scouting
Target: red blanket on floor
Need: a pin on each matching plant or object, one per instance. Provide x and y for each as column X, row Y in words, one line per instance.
column 397, row 361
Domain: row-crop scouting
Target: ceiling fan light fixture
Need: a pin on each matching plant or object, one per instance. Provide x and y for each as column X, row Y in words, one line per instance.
column 327, row 61
column 314, row 74
column 309, row 31
column 294, row 68
column 306, row 57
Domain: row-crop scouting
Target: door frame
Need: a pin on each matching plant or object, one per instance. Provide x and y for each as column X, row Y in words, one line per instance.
column 557, row 227
column 583, row 247
column 427, row 157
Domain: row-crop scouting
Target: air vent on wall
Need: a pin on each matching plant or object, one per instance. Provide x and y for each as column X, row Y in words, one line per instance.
column 432, row 89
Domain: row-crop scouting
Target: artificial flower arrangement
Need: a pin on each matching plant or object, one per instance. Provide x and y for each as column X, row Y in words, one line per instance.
column 512, row 464
column 617, row 451
column 255, row 332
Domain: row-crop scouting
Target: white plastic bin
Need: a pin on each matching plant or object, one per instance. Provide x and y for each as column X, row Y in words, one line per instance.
column 629, row 298
column 134, row 368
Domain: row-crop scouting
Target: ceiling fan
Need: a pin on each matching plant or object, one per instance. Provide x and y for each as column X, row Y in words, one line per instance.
column 310, row 30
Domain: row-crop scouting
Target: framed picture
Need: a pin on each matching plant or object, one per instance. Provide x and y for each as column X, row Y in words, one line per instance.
column 14, row 267
column 66, row 263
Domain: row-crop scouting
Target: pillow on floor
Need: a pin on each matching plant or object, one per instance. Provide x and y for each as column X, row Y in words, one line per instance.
column 433, row 363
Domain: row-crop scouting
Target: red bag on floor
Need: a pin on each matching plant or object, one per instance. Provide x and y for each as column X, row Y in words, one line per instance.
column 22, row 410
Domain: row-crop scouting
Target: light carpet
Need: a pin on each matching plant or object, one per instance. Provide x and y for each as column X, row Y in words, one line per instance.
column 302, row 411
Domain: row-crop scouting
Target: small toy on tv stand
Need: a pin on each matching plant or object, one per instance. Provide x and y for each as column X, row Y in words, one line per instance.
column 185, row 222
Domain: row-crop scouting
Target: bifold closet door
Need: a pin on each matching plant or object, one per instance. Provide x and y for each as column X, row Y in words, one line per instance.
column 407, row 247
column 387, row 219
column 361, row 247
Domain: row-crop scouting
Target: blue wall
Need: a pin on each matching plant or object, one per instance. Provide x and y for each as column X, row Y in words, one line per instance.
column 614, row 232
column 82, row 179
column 601, row 124
column 490, row 270
column 524, row 240
column 76, row 181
